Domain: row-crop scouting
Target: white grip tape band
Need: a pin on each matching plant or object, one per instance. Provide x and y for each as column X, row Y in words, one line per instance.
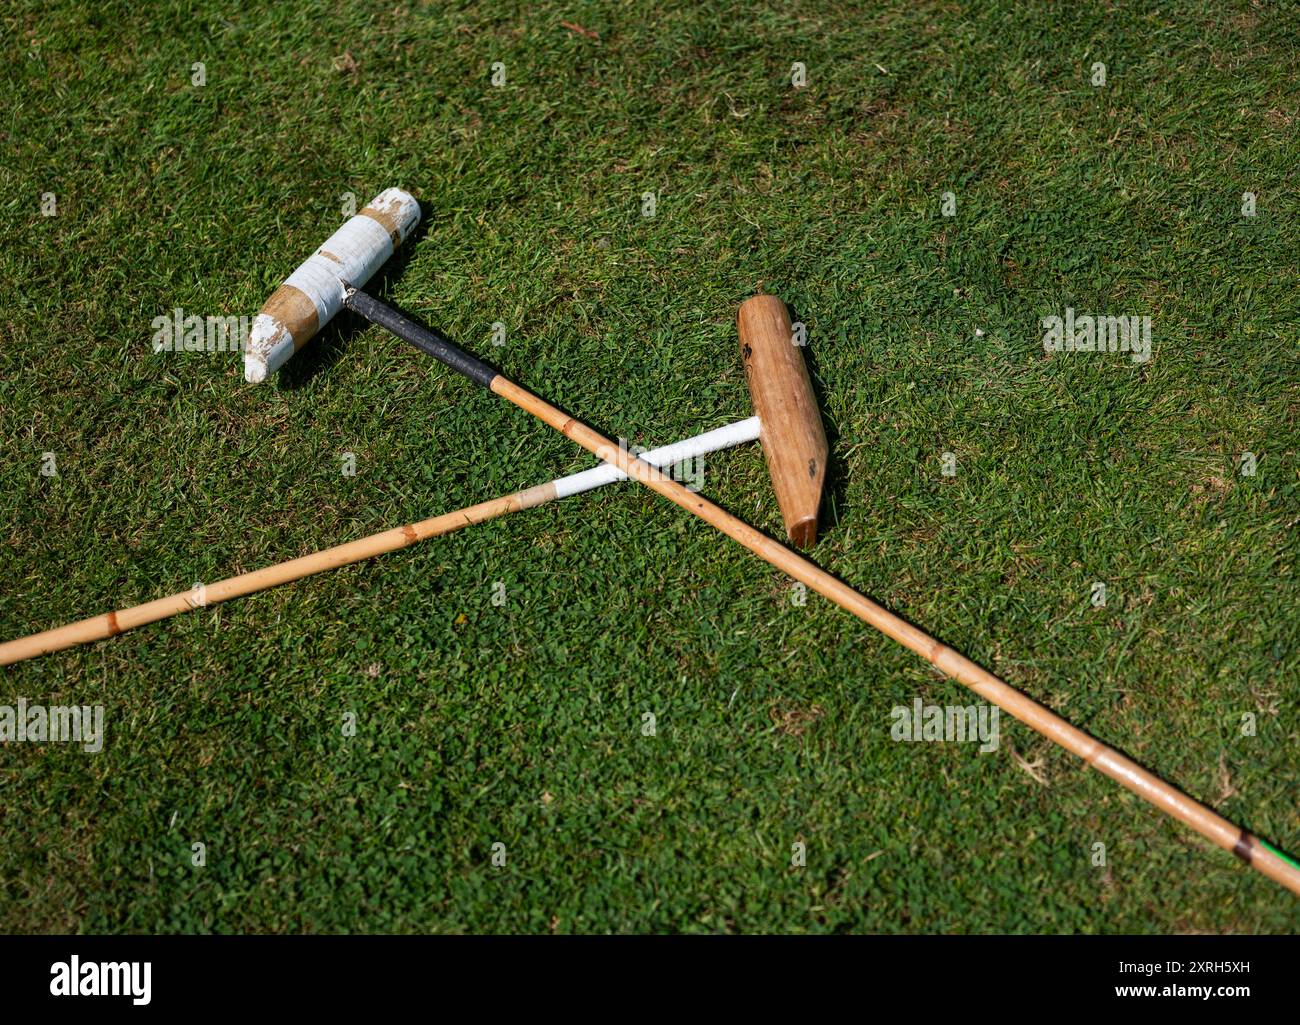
column 711, row 441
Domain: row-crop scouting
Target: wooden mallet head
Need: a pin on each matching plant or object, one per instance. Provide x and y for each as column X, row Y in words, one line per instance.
column 791, row 431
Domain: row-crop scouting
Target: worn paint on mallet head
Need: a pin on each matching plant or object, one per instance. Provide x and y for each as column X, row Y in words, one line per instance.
column 313, row 293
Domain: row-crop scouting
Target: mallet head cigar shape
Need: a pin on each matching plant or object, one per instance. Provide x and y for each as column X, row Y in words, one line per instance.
column 792, row 434
column 313, row 294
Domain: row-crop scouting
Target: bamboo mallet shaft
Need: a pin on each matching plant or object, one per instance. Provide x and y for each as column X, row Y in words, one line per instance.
column 1107, row 760
column 97, row 628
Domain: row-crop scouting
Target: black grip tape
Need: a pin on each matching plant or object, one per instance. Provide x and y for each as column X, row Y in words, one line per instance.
column 442, row 349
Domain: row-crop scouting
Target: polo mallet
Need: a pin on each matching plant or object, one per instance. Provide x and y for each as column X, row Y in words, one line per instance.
column 307, row 300
column 782, row 393
column 767, row 346
column 795, row 445
column 97, row 628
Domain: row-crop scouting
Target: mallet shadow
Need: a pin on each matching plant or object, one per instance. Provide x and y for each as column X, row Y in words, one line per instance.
column 836, row 478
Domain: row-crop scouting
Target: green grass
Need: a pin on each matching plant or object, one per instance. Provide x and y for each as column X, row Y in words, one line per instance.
column 521, row 724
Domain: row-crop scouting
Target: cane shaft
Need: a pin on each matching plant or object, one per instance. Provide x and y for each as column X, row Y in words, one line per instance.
column 99, row 627
column 1105, row 759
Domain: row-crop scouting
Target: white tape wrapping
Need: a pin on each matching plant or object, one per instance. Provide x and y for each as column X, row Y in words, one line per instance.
column 711, row 441
column 350, row 256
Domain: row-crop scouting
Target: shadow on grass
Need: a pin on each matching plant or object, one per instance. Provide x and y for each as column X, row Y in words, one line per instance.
column 836, row 478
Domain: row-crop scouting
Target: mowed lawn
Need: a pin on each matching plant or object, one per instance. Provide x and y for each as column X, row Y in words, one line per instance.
column 353, row 750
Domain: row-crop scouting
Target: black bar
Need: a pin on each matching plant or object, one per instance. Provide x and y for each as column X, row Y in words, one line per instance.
column 910, row 976
column 442, row 349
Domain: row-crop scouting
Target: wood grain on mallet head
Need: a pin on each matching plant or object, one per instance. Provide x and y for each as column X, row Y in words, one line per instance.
column 783, row 398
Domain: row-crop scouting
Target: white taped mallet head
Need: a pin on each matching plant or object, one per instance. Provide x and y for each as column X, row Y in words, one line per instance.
column 314, row 293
